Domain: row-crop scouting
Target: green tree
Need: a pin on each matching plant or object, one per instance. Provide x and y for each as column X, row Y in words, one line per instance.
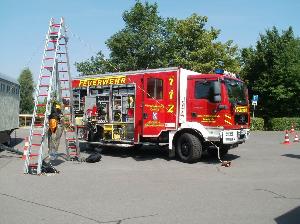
column 150, row 41
column 272, row 70
column 26, row 91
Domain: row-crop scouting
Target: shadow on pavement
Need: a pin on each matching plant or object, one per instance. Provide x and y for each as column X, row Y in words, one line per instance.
column 141, row 154
column 16, row 141
column 153, row 152
column 292, row 156
column 214, row 160
column 291, row 217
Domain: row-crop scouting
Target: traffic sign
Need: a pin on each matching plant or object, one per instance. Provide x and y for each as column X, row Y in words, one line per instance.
column 255, row 98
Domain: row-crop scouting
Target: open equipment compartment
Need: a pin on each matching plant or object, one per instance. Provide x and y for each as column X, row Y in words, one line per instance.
column 112, row 114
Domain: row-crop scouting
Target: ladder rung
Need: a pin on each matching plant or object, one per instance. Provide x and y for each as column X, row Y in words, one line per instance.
column 44, row 85
column 37, row 134
column 60, row 53
column 70, row 131
column 38, row 125
column 62, row 44
column 62, row 62
column 36, row 144
column 80, row 126
column 71, row 139
column 40, row 115
column 72, row 147
column 48, row 67
column 33, row 165
column 65, row 97
column 33, row 154
column 65, row 88
column 41, row 105
column 53, row 41
column 53, row 33
column 43, row 94
column 56, row 25
column 63, row 71
column 48, row 58
column 73, row 154
column 45, row 76
column 50, row 49
column 64, row 80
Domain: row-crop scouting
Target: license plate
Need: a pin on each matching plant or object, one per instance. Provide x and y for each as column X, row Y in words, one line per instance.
column 241, row 109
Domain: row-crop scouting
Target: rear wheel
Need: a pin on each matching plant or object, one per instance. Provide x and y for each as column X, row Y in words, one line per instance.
column 189, row 148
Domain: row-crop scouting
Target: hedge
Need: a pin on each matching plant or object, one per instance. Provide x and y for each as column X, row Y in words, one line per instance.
column 257, row 124
column 284, row 123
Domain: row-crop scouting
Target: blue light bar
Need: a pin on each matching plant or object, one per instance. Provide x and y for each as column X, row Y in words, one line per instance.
column 219, row 71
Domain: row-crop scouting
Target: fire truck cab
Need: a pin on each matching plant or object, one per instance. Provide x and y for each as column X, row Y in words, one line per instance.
column 187, row 111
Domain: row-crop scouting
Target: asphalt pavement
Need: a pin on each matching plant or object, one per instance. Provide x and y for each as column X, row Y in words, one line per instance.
column 144, row 186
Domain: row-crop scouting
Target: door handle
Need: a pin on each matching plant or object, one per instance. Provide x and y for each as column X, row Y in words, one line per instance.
column 194, row 114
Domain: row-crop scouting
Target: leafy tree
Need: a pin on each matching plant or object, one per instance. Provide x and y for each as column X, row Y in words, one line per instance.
column 272, row 70
column 190, row 45
column 26, row 91
column 150, row 41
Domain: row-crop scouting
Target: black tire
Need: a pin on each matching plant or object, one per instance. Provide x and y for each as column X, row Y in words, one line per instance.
column 189, row 148
column 136, row 146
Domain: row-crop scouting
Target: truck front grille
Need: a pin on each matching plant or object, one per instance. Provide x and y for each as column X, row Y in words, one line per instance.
column 241, row 118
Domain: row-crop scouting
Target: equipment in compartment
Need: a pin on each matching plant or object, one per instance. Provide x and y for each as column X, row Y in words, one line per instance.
column 110, row 110
column 118, row 131
column 102, row 103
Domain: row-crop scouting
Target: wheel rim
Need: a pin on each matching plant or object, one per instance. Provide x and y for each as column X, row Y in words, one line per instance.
column 185, row 148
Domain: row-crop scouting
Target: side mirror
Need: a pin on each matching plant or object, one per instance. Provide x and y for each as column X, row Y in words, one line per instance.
column 217, row 98
column 216, row 92
column 217, row 88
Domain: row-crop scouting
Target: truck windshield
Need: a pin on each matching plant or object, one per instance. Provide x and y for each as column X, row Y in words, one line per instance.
column 236, row 91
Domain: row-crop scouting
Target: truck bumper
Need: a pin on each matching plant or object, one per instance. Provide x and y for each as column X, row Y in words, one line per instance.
column 234, row 136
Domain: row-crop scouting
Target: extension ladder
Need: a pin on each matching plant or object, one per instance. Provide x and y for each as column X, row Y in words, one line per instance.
column 54, row 82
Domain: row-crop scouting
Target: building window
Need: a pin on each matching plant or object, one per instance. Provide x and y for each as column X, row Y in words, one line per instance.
column 2, row 88
column 8, row 89
column 155, row 88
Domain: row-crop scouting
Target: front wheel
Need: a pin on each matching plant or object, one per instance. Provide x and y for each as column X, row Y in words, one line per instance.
column 189, row 148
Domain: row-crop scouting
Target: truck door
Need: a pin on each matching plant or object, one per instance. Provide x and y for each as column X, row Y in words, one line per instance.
column 153, row 105
column 201, row 107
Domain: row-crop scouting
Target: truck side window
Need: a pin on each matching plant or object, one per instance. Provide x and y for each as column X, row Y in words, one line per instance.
column 155, row 88
column 204, row 90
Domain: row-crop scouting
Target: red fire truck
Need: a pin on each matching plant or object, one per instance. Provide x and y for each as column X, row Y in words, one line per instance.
column 188, row 111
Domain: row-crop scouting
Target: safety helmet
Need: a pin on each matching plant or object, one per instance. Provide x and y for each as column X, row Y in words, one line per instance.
column 57, row 106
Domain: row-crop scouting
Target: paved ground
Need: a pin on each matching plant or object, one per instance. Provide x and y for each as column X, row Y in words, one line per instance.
column 261, row 186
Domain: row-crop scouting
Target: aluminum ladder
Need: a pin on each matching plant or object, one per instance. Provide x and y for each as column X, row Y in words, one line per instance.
column 54, row 82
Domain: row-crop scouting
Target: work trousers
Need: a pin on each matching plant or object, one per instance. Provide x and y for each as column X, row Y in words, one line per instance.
column 54, row 139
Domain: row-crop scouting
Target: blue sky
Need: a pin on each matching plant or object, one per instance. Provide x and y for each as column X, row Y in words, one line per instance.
column 24, row 24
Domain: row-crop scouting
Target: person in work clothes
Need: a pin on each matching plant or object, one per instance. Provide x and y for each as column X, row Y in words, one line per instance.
column 55, row 130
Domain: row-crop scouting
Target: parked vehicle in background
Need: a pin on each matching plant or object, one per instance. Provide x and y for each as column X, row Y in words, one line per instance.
column 187, row 111
column 9, row 107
